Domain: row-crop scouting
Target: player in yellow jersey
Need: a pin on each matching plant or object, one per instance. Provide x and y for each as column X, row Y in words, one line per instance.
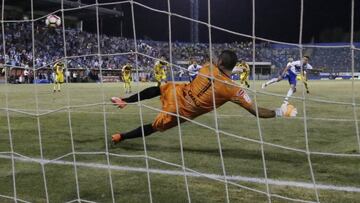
column 193, row 99
column 59, row 75
column 303, row 77
column 160, row 71
column 243, row 69
column 126, row 77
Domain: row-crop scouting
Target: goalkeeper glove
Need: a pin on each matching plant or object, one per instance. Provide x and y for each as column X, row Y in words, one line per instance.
column 286, row 110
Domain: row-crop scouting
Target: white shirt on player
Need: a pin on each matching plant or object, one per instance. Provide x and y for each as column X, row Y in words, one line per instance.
column 237, row 70
column 295, row 67
column 194, row 69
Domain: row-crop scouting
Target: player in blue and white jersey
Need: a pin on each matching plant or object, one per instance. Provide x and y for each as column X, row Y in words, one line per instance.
column 291, row 71
column 193, row 70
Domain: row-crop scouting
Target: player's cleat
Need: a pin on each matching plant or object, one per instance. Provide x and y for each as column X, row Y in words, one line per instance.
column 248, row 86
column 118, row 102
column 116, row 138
column 307, row 91
column 263, row 86
column 54, row 91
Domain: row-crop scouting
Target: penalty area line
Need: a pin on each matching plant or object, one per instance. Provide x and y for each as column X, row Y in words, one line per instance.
column 274, row 182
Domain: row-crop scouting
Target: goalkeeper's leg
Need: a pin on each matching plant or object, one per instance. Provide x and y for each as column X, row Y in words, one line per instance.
column 147, row 93
column 148, row 130
column 163, row 121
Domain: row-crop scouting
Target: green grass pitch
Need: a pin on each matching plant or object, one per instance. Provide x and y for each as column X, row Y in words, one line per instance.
column 330, row 129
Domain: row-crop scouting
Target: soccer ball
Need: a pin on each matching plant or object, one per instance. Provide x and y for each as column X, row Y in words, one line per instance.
column 288, row 110
column 53, row 21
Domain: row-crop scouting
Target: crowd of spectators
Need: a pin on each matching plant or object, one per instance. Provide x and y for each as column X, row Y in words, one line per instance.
column 83, row 51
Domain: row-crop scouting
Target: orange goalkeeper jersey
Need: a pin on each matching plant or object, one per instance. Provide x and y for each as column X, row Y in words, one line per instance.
column 198, row 95
column 196, row 98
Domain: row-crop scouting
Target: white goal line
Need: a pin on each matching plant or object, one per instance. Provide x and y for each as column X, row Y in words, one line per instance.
column 274, row 182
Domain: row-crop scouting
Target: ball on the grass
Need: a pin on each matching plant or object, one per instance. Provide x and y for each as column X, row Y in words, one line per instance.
column 53, row 21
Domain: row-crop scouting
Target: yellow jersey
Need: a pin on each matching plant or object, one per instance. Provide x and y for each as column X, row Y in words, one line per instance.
column 59, row 72
column 59, row 68
column 159, row 68
column 245, row 67
column 243, row 70
column 126, row 73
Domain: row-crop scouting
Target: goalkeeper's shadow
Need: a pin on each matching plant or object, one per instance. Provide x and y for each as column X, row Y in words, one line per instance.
column 232, row 153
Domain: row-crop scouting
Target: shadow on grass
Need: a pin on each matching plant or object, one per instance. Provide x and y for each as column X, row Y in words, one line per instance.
column 239, row 153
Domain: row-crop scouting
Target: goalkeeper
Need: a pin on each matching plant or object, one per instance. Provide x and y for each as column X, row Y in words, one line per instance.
column 193, row 99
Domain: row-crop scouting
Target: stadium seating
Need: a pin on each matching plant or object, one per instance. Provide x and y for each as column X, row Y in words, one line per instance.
column 49, row 47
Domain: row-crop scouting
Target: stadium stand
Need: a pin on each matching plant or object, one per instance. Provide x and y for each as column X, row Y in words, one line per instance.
column 49, row 47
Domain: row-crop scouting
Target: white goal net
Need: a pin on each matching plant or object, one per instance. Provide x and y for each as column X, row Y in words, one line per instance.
column 54, row 147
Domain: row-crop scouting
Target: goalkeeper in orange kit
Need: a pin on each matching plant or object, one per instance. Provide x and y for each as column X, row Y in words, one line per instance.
column 193, row 99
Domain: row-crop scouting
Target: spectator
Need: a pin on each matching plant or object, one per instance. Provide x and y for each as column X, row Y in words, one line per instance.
column 83, row 48
column 26, row 74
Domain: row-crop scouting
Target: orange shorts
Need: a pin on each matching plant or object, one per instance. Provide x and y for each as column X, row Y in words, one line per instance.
column 164, row 120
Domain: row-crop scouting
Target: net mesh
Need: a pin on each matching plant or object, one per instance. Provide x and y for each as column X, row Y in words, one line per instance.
column 229, row 182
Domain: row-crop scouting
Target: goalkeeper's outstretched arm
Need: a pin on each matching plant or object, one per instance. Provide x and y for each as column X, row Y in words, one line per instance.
column 244, row 101
column 263, row 112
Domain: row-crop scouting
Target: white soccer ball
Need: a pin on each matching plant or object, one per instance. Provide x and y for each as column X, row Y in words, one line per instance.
column 288, row 110
column 53, row 21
